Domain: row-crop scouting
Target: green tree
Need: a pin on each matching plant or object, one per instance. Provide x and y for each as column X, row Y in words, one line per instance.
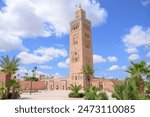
column 88, row 71
column 138, row 71
column 9, row 67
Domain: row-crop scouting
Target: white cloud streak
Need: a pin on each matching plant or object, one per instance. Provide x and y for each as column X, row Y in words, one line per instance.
column 64, row 64
column 33, row 18
column 41, row 55
column 112, row 58
column 98, row 59
column 133, row 57
column 137, row 37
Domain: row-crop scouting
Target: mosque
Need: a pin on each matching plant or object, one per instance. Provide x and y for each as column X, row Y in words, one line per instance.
column 81, row 52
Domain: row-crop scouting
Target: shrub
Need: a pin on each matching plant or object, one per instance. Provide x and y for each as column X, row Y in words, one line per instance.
column 127, row 90
column 94, row 93
column 76, row 95
column 102, row 96
column 75, row 92
column 2, row 93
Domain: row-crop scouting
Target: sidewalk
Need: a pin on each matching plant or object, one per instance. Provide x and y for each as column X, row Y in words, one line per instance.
column 52, row 95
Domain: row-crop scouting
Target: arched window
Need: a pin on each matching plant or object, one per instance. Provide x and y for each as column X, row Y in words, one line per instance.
column 75, row 39
column 57, row 87
column 76, row 78
column 101, row 85
column 75, row 57
column 72, row 77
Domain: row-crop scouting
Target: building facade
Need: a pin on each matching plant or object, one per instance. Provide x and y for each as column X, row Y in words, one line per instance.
column 81, row 52
column 80, row 47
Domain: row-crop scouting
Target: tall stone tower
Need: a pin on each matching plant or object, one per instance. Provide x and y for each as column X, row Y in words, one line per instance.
column 80, row 47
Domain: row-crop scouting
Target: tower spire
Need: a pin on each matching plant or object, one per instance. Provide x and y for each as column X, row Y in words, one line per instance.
column 80, row 6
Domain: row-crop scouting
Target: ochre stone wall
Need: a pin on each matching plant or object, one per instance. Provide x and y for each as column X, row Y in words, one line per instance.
column 36, row 85
column 57, row 83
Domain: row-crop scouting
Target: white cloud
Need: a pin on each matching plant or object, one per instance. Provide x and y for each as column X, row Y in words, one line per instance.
column 133, row 57
column 98, row 59
column 145, row 2
column 45, row 67
column 131, row 50
column 64, row 64
column 123, row 67
column 114, row 67
column 117, row 67
column 137, row 37
column 148, row 54
column 32, row 18
column 57, row 75
column 112, row 58
column 52, row 52
column 23, row 70
column 41, row 55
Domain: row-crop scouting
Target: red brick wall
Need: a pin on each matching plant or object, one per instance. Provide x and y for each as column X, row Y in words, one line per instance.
column 36, row 85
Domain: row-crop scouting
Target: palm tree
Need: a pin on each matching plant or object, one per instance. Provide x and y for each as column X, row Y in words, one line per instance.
column 127, row 90
column 35, row 68
column 75, row 91
column 75, row 88
column 14, row 85
column 88, row 71
column 26, row 76
column 9, row 67
column 33, row 72
column 139, row 71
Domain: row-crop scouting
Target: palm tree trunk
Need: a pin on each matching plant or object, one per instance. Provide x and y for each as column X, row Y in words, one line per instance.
column 140, row 84
column 14, row 93
column 7, row 79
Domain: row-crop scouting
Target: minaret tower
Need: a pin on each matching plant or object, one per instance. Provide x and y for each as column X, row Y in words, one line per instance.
column 80, row 47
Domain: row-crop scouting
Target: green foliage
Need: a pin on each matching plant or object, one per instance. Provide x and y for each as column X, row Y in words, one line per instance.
column 94, row 93
column 75, row 92
column 127, row 90
column 75, row 88
column 14, row 84
column 76, row 95
column 102, row 96
column 87, row 70
column 147, row 91
column 31, row 79
column 2, row 92
column 139, row 71
column 9, row 66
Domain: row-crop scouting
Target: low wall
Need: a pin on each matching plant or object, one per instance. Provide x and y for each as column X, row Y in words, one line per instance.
column 36, row 85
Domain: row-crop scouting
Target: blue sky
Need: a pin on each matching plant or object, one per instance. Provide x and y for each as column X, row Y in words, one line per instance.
column 38, row 32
